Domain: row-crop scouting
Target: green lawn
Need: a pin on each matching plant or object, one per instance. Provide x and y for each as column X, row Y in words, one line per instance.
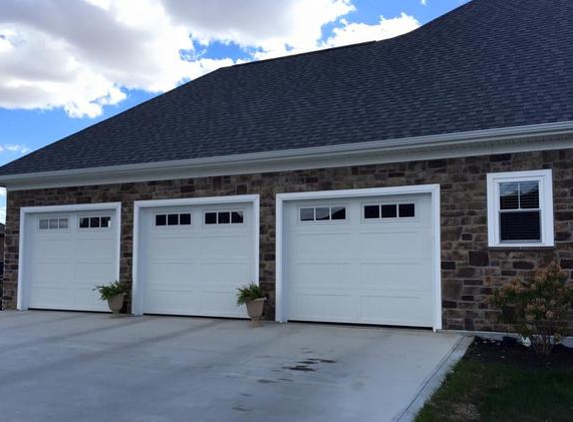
column 498, row 392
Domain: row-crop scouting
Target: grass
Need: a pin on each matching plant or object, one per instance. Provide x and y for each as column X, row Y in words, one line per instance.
column 496, row 392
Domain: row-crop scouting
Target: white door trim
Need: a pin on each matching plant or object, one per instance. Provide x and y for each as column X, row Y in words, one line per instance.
column 137, row 288
column 22, row 302
column 433, row 190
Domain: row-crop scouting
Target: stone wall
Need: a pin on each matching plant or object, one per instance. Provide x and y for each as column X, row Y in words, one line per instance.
column 469, row 268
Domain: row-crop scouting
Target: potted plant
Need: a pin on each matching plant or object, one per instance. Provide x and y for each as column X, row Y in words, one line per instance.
column 253, row 296
column 114, row 294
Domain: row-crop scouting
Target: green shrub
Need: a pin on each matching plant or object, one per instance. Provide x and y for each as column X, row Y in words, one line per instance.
column 110, row 290
column 537, row 309
column 249, row 292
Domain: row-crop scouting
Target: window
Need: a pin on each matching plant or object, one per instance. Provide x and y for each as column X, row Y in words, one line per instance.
column 386, row 211
column 173, row 219
column 53, row 223
column 520, row 208
column 224, row 217
column 323, row 213
column 95, row 222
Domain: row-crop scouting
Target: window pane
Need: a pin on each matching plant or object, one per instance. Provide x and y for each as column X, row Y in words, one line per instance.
column 338, row 213
column 237, row 217
column 509, row 196
column 389, row 211
column 407, row 210
column 528, row 195
column 172, row 219
column 106, row 222
column 224, row 217
column 53, row 223
column 210, row 218
column 307, row 214
column 322, row 214
column 372, row 211
column 185, row 219
column 520, row 226
column 84, row 223
column 44, row 224
column 94, row 222
column 63, row 223
column 161, row 220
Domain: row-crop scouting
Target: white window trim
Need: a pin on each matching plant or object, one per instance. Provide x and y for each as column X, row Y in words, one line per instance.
column 545, row 179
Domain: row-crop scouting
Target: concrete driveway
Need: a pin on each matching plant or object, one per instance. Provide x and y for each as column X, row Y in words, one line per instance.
column 60, row 366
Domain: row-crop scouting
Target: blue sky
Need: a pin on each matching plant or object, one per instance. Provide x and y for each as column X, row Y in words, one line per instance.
column 64, row 70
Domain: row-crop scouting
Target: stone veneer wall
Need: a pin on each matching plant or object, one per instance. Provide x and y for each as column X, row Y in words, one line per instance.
column 469, row 268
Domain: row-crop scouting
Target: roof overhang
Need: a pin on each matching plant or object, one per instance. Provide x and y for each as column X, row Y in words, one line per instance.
column 483, row 142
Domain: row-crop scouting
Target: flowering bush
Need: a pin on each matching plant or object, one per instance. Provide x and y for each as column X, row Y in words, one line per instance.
column 537, row 309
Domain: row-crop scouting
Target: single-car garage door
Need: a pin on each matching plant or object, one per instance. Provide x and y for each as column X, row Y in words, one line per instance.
column 66, row 254
column 361, row 260
column 193, row 258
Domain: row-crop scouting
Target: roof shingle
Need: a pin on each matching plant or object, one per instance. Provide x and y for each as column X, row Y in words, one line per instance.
column 485, row 65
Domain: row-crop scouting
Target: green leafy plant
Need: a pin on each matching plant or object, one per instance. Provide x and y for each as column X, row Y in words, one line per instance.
column 249, row 292
column 537, row 309
column 110, row 290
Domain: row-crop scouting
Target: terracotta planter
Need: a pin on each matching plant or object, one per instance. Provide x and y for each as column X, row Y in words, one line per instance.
column 115, row 304
column 255, row 310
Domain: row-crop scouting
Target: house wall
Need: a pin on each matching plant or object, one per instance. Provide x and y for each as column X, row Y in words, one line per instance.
column 470, row 269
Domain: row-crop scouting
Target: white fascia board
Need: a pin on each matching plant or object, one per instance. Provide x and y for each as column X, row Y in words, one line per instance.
column 483, row 142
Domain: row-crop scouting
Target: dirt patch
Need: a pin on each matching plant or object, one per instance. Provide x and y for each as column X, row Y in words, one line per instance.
column 516, row 355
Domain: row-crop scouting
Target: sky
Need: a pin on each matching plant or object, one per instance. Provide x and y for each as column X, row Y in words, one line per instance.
column 67, row 64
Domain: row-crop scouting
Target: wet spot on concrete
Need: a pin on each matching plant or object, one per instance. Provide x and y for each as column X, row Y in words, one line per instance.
column 302, row 368
column 263, row 381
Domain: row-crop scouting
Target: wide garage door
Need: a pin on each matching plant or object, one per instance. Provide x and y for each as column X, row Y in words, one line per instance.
column 361, row 260
column 66, row 255
column 193, row 258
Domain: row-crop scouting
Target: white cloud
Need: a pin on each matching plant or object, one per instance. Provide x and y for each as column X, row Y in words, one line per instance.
column 351, row 33
column 86, row 56
column 424, row 2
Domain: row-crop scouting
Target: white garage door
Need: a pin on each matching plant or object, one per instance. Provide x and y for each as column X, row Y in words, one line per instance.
column 67, row 255
column 366, row 261
column 193, row 258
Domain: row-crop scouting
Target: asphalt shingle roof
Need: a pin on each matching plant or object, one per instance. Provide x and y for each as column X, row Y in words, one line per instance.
column 487, row 64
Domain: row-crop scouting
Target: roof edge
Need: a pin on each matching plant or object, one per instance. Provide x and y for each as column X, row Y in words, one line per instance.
column 322, row 156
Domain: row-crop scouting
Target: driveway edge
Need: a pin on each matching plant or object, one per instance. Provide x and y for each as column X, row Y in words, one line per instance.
column 435, row 380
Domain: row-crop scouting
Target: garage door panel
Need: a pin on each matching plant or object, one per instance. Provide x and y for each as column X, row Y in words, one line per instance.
column 321, row 274
column 228, row 274
column 399, row 244
column 173, row 247
column 170, row 272
column 234, row 246
column 96, row 249
column 223, row 303
column 95, row 272
column 317, row 307
column 60, row 249
column 51, row 298
column 53, row 272
column 393, row 276
column 399, row 309
column 174, row 302
column 318, row 245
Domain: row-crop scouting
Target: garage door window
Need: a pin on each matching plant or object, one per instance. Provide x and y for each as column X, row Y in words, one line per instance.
column 224, row 217
column 173, row 219
column 333, row 213
column 387, row 211
column 95, row 222
column 53, row 223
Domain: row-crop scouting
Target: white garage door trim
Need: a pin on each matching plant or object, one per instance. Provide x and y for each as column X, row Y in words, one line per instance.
column 433, row 190
column 137, row 287
column 22, row 302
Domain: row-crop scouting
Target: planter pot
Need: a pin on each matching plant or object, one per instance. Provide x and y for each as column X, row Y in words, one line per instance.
column 255, row 310
column 115, row 304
